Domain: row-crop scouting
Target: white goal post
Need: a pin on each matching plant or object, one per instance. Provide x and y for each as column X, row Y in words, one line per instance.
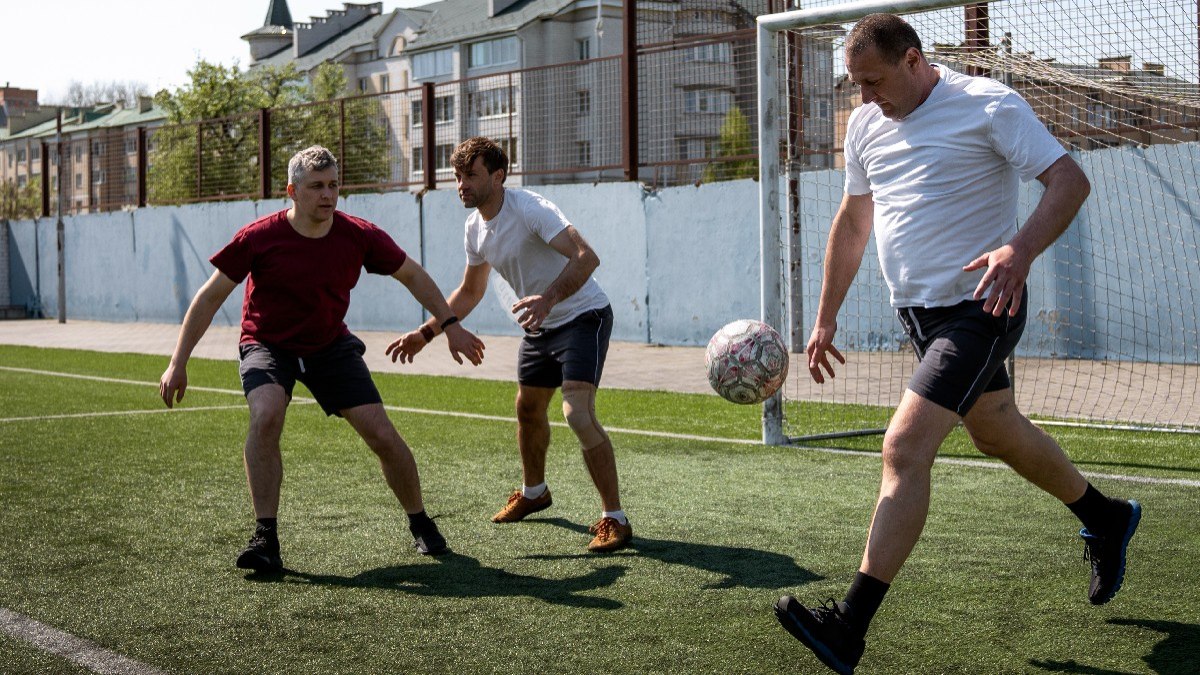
column 1113, row 334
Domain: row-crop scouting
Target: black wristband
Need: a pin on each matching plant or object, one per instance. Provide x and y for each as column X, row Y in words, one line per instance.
column 448, row 322
column 427, row 333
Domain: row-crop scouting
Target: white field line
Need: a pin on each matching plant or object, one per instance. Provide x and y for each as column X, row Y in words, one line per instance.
column 118, row 413
column 75, row 649
column 954, row 461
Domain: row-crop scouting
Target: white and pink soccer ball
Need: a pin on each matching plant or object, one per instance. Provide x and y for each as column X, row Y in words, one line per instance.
column 747, row 361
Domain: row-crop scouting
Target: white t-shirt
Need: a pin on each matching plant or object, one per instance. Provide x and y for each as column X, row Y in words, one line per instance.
column 944, row 182
column 516, row 243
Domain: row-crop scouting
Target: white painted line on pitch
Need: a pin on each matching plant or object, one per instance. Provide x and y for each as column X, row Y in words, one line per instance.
column 640, row 432
column 113, row 380
column 119, row 413
column 76, row 649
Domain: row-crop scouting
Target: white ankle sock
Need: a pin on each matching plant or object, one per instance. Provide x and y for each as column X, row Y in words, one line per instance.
column 618, row 515
column 533, row 491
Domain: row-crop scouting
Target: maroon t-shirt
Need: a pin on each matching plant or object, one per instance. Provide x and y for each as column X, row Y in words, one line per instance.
column 298, row 288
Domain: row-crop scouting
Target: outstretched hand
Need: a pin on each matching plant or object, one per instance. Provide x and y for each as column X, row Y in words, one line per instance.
column 406, row 347
column 532, row 311
column 464, row 342
column 820, row 346
column 1004, row 281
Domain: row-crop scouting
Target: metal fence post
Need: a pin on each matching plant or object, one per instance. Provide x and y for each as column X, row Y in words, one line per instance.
column 45, row 179
column 629, row 90
column 428, row 133
column 142, row 166
column 264, row 152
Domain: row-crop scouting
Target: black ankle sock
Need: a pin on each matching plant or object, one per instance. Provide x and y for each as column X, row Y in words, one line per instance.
column 418, row 519
column 863, row 600
column 267, row 524
column 1095, row 511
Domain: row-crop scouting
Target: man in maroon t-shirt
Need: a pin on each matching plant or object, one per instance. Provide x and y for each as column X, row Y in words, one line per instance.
column 299, row 266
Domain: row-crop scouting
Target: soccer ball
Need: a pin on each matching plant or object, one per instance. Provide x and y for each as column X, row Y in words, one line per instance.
column 747, row 361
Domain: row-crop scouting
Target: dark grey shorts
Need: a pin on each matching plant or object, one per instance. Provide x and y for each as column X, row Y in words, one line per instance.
column 962, row 350
column 573, row 351
column 337, row 376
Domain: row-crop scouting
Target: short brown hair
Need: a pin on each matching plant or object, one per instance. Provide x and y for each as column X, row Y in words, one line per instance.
column 493, row 155
column 888, row 33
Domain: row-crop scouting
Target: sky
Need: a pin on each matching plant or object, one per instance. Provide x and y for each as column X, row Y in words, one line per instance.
column 49, row 43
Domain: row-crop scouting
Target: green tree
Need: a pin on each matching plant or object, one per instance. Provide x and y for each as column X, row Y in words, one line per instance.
column 210, row 148
column 735, row 141
column 20, row 203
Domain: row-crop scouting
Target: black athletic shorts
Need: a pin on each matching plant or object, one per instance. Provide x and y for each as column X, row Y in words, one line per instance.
column 573, row 351
column 962, row 350
column 337, row 376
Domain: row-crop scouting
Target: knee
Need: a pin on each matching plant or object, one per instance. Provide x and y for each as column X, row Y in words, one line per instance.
column 579, row 410
column 530, row 411
column 903, row 459
column 266, row 423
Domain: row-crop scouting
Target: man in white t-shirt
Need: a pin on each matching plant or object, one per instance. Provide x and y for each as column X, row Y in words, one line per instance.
column 567, row 321
column 933, row 160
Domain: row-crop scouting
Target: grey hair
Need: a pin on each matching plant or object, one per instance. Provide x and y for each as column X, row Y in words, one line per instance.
column 316, row 158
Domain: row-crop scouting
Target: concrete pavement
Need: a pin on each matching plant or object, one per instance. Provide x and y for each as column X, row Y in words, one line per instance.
column 629, row 366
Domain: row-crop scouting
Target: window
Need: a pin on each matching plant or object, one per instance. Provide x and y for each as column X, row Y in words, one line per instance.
column 36, row 153
column 494, row 52
column 721, row 52
column 443, row 110
column 130, row 146
column 490, row 102
column 20, row 181
column 441, row 157
column 98, row 177
column 583, row 49
column 433, row 64
column 364, row 84
column 585, row 153
column 78, row 152
column 20, row 155
column 584, row 99
column 78, row 181
column 1099, row 115
column 385, row 83
column 706, row 101
column 510, row 148
column 98, row 148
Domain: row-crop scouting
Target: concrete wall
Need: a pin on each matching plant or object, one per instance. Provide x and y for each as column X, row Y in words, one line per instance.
column 681, row 262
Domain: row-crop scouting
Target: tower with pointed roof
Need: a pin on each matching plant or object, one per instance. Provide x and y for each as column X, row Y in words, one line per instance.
column 275, row 33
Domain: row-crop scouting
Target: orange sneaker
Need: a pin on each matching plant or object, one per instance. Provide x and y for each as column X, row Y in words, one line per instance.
column 518, row 507
column 610, row 535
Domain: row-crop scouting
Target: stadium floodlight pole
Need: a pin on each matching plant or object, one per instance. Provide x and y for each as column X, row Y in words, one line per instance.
column 769, row 116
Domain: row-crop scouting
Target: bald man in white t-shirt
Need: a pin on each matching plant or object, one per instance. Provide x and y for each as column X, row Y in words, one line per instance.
column 933, row 163
column 567, row 321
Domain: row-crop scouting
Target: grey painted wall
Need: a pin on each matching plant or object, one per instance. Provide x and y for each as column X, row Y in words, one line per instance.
column 681, row 262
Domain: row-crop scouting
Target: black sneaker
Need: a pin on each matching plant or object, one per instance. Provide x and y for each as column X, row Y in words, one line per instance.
column 427, row 539
column 1107, row 555
column 261, row 554
column 825, row 630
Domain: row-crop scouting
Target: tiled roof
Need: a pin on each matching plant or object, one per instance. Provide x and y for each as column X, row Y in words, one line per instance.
column 456, row 20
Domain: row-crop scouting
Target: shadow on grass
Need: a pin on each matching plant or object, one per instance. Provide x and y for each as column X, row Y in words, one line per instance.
column 460, row 576
column 740, row 567
column 1176, row 654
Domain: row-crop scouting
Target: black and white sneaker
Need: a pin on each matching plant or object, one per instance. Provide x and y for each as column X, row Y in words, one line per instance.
column 826, row 630
column 1107, row 555
column 427, row 539
column 261, row 554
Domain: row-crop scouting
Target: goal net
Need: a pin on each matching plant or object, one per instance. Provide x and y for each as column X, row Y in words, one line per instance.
column 1112, row 335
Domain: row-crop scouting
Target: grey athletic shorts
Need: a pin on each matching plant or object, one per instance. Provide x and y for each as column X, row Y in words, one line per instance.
column 573, row 351
column 962, row 351
column 337, row 376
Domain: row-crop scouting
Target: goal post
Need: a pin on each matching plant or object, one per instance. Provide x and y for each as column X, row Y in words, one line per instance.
column 1113, row 334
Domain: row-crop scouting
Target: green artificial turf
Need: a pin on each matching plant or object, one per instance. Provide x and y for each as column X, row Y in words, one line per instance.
column 122, row 529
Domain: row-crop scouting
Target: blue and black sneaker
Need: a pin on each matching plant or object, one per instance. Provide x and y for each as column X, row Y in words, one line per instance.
column 826, row 630
column 1107, row 555
column 262, row 553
